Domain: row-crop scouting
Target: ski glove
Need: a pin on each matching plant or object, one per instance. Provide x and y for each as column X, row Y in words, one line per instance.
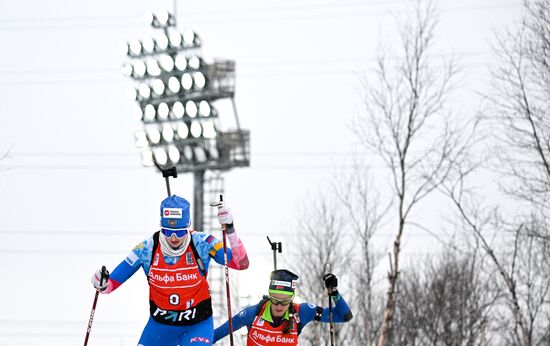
column 224, row 216
column 330, row 281
column 100, row 281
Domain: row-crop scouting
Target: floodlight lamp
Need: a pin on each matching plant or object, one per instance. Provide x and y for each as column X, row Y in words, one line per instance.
column 139, row 69
column 191, row 108
column 194, row 62
column 163, row 17
column 148, row 44
column 208, row 129
column 213, row 152
column 166, row 63
column 173, row 154
column 163, row 110
column 127, row 69
column 123, row 48
column 137, row 112
column 153, row 134
column 196, row 129
column 144, row 91
column 188, row 153
column 175, row 38
column 199, row 80
column 158, row 87
column 147, row 158
column 149, row 18
column 204, row 108
column 181, row 62
column 186, row 81
column 153, row 68
column 132, row 93
column 178, row 110
column 135, row 47
column 173, row 85
column 160, row 156
column 200, row 154
column 162, row 42
column 188, row 37
column 149, row 113
column 141, row 139
column 168, row 133
column 182, row 131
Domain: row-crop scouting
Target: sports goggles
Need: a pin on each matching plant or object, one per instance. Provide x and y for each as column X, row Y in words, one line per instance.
column 277, row 301
column 179, row 233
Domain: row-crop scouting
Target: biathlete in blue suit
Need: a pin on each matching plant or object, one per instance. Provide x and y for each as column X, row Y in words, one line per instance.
column 175, row 261
column 276, row 320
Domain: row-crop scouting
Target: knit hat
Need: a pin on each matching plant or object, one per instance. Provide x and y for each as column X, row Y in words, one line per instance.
column 174, row 213
column 282, row 282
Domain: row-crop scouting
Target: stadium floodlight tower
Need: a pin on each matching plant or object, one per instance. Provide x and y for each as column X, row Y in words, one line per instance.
column 175, row 91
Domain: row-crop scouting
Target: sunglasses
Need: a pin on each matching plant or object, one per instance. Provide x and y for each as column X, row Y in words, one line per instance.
column 168, row 233
column 277, row 301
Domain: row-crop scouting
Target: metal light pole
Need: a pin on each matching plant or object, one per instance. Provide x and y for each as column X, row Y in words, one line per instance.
column 175, row 93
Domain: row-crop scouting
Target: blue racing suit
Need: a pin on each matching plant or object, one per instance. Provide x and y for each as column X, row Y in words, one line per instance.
column 205, row 247
column 306, row 313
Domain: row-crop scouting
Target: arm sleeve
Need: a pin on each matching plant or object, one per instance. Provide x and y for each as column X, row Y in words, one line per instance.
column 211, row 247
column 244, row 318
column 127, row 267
column 239, row 258
column 340, row 312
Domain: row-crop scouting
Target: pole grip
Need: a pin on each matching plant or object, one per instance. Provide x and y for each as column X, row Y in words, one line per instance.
column 103, row 275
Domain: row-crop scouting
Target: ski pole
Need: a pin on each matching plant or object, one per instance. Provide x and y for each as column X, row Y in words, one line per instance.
column 275, row 246
column 226, row 268
column 331, row 322
column 166, row 173
column 92, row 313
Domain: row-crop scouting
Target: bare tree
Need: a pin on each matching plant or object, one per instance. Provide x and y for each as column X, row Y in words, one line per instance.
column 520, row 263
column 520, row 119
column 361, row 203
column 447, row 302
column 407, row 124
column 341, row 228
column 532, row 278
column 321, row 245
column 520, row 103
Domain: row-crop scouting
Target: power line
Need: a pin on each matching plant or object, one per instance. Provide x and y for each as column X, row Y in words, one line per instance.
column 300, row 167
column 100, row 232
column 340, row 72
column 115, row 21
column 64, row 252
column 207, row 13
column 270, row 64
column 136, row 166
column 353, row 14
column 132, row 154
column 270, row 74
column 117, row 233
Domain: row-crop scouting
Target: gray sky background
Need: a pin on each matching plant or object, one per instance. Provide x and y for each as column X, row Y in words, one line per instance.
column 73, row 194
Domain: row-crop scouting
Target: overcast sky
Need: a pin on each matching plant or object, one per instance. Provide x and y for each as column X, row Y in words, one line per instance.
column 73, row 194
